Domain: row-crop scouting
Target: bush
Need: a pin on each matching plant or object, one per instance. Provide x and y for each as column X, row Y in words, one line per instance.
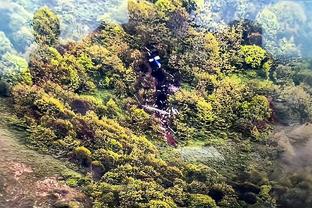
column 47, row 64
column 194, row 112
column 252, row 55
column 296, row 106
column 256, row 58
column 158, row 204
column 42, row 137
column 84, row 103
column 201, row 201
column 14, row 70
column 49, row 105
column 197, row 172
column 82, row 155
column 257, row 109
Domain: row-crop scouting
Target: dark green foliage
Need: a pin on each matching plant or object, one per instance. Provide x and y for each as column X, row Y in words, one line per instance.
column 294, row 191
column 198, row 52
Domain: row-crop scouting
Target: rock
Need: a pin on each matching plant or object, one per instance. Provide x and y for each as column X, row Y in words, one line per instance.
column 217, row 195
column 285, row 114
column 61, row 204
column 65, row 204
column 249, row 187
column 4, row 89
column 98, row 169
column 249, row 197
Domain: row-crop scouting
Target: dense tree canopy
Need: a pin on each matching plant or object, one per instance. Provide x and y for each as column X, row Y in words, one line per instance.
column 85, row 101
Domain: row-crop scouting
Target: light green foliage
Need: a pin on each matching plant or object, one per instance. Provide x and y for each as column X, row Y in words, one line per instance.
column 125, row 158
column 111, row 104
column 262, row 87
column 46, row 26
column 112, row 37
column 200, row 200
column 41, row 136
column 140, row 120
column 252, row 56
column 254, row 115
column 205, row 110
column 228, row 94
column 227, row 108
column 197, row 172
column 25, row 96
column 230, row 44
column 267, row 68
column 255, row 58
column 14, row 70
column 47, row 64
column 82, row 151
column 141, row 13
column 139, row 192
column 265, row 194
column 67, row 71
column 166, row 5
column 158, row 204
column 257, row 109
column 81, row 104
column 196, row 112
column 107, row 69
column 140, row 115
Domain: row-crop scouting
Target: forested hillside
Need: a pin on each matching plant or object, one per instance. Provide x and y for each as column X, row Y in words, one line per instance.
column 98, row 103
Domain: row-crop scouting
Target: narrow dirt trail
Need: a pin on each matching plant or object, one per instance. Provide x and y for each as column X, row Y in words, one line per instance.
column 27, row 178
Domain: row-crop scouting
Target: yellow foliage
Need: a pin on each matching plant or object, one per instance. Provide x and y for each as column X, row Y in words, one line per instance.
column 200, row 200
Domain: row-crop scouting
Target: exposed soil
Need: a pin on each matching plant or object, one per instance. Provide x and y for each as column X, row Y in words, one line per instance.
column 30, row 179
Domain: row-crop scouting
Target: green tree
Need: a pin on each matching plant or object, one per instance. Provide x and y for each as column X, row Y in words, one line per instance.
column 14, row 70
column 46, row 26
